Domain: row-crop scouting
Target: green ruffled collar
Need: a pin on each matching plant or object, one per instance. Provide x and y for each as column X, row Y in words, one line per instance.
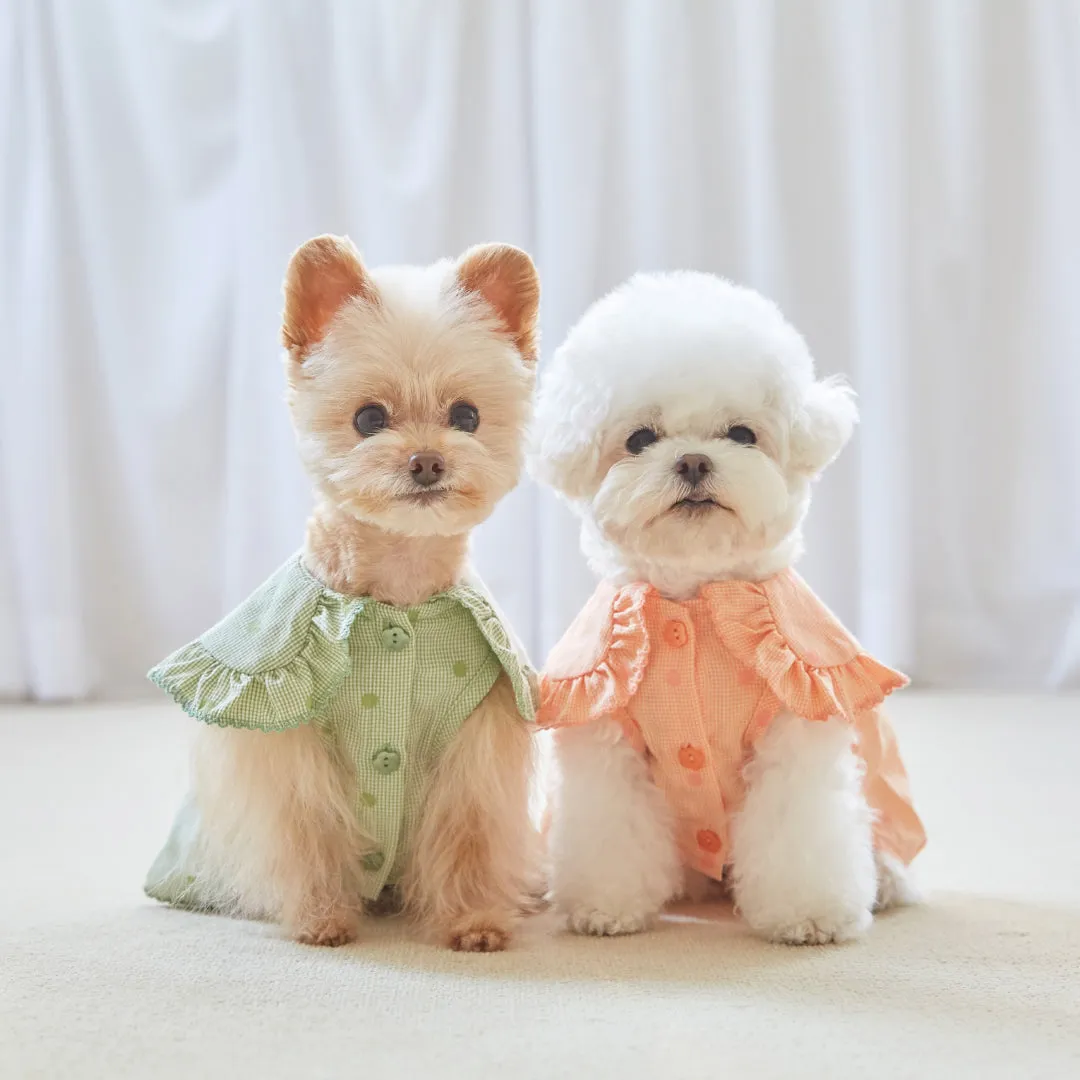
column 428, row 609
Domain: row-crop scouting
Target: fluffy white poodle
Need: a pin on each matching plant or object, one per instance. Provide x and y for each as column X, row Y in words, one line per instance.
column 714, row 720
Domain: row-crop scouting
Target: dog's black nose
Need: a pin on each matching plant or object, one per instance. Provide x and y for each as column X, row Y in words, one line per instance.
column 693, row 468
column 426, row 468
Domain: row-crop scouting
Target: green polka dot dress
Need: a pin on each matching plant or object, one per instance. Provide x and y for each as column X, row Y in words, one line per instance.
column 391, row 686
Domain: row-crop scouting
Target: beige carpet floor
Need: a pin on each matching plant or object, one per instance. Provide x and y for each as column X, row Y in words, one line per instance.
column 983, row 981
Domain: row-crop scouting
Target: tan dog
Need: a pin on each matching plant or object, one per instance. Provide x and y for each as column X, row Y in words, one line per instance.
column 410, row 389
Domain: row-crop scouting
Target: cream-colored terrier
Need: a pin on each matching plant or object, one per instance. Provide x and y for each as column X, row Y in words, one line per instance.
column 366, row 739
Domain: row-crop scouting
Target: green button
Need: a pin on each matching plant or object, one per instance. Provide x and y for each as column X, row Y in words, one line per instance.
column 386, row 759
column 374, row 860
column 395, row 638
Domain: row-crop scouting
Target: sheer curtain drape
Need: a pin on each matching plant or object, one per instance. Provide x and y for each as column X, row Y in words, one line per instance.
column 901, row 176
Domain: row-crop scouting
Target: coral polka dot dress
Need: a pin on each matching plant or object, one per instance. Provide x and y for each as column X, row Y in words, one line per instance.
column 694, row 683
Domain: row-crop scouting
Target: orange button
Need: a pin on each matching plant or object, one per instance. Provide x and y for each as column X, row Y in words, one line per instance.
column 690, row 757
column 708, row 841
column 675, row 633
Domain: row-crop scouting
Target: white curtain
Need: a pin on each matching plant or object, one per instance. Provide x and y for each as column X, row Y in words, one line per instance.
column 902, row 176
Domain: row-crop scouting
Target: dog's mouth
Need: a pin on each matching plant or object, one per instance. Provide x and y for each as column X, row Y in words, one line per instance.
column 699, row 505
column 426, row 496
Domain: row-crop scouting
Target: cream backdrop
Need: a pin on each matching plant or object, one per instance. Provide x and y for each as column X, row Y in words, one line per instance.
column 901, row 176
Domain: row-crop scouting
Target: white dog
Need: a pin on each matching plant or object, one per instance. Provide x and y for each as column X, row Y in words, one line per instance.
column 714, row 718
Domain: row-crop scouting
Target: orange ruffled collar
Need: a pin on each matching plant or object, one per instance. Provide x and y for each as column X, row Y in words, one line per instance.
column 777, row 627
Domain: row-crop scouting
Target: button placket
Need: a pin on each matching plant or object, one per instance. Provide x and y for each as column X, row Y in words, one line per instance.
column 384, row 703
column 688, row 765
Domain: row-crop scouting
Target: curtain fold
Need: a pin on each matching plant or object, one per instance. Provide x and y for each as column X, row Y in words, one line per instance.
column 900, row 176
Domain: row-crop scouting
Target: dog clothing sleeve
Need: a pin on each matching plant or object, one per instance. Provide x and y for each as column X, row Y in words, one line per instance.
column 389, row 686
column 277, row 660
column 779, row 629
column 600, row 661
column 271, row 664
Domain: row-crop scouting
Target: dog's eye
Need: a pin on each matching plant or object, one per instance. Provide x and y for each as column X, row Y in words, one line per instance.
column 641, row 439
column 741, row 434
column 464, row 416
column 370, row 420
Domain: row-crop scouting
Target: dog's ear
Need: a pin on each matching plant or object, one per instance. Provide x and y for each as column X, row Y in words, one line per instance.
column 824, row 425
column 506, row 279
column 567, row 431
column 323, row 274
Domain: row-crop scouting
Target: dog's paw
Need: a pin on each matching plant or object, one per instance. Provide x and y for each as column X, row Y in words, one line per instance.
column 331, row 931
column 589, row 920
column 480, row 939
column 823, row 930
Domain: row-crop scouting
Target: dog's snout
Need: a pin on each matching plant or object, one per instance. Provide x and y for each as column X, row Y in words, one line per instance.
column 693, row 468
column 427, row 467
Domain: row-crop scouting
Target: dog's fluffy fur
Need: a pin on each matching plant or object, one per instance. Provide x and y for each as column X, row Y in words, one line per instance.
column 277, row 809
column 691, row 356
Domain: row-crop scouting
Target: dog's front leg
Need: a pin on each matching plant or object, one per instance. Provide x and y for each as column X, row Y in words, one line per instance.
column 614, row 858
column 281, row 832
column 472, row 854
column 802, row 846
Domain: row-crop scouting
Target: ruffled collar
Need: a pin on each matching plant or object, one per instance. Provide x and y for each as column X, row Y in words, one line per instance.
column 777, row 627
column 462, row 593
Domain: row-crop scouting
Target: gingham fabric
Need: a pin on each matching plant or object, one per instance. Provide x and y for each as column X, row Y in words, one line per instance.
column 391, row 686
column 694, row 683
